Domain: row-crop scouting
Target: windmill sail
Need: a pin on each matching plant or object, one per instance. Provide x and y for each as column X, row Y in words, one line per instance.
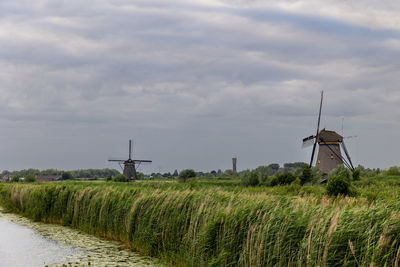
column 319, row 120
column 117, row 160
column 308, row 141
column 347, row 154
column 142, row 161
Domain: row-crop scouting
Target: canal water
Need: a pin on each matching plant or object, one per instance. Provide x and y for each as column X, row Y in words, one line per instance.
column 30, row 244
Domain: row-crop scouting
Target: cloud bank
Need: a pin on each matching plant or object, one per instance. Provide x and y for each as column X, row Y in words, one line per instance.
column 194, row 83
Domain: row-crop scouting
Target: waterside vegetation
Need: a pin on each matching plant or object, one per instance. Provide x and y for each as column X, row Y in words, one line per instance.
column 220, row 222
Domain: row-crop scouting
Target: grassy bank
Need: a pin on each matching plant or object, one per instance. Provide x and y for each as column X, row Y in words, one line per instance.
column 222, row 224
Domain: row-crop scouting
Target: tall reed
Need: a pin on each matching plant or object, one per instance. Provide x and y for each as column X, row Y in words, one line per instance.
column 216, row 227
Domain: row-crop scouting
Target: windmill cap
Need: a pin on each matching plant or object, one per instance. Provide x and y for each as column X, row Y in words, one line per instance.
column 329, row 136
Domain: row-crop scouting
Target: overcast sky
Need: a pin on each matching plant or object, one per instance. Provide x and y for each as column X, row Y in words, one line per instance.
column 195, row 82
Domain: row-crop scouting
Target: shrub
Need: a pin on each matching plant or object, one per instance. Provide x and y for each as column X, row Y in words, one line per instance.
column 66, row 176
column 229, row 173
column 393, row 171
column 341, row 170
column 186, row 174
column 15, row 178
column 120, row 178
column 109, row 178
column 283, row 179
column 250, row 178
column 317, row 175
column 306, row 175
column 30, row 178
column 356, row 174
column 338, row 185
column 140, row 176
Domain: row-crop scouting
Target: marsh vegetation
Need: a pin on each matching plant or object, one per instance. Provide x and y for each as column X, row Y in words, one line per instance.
column 219, row 222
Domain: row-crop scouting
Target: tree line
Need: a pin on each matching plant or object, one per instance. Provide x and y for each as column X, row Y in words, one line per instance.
column 82, row 173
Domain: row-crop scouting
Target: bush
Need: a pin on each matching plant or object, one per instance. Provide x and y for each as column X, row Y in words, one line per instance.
column 186, row 174
column 250, row 178
column 66, row 176
column 283, row 179
column 341, row 170
column 338, row 185
column 30, row 178
column 356, row 174
column 109, row 178
column 15, row 178
column 140, row 176
column 306, row 175
column 317, row 175
column 120, row 178
column 393, row 171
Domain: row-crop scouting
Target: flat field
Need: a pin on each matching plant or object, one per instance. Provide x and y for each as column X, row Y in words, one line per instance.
column 211, row 222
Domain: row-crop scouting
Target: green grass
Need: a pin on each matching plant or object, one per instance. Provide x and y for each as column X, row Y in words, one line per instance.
column 219, row 223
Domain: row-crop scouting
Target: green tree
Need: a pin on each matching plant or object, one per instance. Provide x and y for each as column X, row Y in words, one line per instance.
column 274, row 167
column 283, row 179
column 356, row 174
column 341, row 170
column 30, row 178
column 66, row 176
column 393, row 171
column 338, row 185
column 186, row 174
column 306, row 175
column 15, row 178
column 250, row 178
column 120, row 178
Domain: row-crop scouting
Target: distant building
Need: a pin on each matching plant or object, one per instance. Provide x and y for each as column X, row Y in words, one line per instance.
column 234, row 162
column 48, row 178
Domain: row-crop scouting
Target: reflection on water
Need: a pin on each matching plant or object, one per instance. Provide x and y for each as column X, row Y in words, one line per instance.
column 21, row 246
column 26, row 243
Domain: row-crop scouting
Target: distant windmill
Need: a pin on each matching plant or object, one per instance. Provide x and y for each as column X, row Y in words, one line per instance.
column 130, row 165
column 329, row 155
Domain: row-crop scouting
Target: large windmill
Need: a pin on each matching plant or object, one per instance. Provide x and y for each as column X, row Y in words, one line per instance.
column 329, row 154
column 130, row 165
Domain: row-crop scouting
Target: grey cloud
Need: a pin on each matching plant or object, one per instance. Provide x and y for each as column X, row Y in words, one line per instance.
column 182, row 77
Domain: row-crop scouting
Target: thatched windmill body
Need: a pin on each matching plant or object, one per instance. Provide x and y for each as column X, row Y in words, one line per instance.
column 329, row 142
column 130, row 165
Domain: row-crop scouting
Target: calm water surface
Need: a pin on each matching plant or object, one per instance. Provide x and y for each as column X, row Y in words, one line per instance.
column 21, row 246
column 30, row 244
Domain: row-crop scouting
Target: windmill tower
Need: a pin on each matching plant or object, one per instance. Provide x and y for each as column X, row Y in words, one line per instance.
column 329, row 153
column 130, row 165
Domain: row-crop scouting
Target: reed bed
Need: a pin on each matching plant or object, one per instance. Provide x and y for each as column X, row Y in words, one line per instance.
column 212, row 226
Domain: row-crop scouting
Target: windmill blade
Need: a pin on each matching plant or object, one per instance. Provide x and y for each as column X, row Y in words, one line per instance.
column 116, row 160
column 312, row 155
column 316, row 136
column 308, row 141
column 347, row 154
column 320, row 111
column 141, row 161
column 339, row 156
column 350, row 137
column 130, row 149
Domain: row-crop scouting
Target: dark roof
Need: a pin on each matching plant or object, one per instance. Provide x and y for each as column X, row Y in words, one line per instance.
column 329, row 136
